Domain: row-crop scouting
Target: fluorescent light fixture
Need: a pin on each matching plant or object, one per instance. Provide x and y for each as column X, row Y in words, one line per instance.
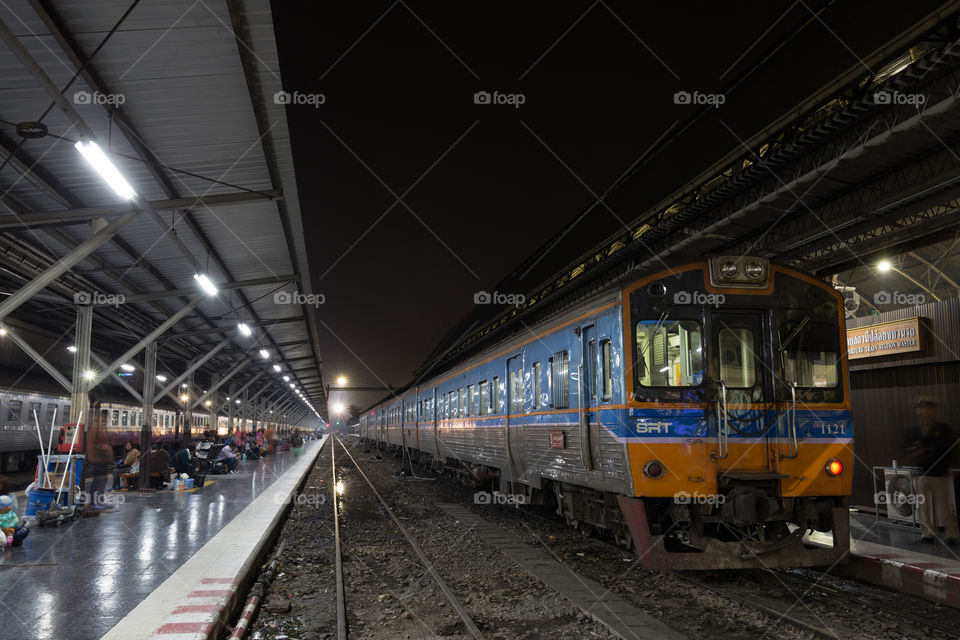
column 238, row 400
column 184, row 384
column 244, row 328
column 162, row 378
column 107, row 170
column 293, row 386
column 276, row 368
column 665, row 369
column 128, row 367
column 264, row 354
column 208, row 287
column 286, row 378
column 72, row 349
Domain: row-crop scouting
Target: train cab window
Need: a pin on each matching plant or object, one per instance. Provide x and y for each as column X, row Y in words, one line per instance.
column 669, row 353
column 560, row 380
column 606, row 369
column 736, row 350
column 810, row 352
column 535, row 384
column 495, row 396
column 14, row 407
column 484, row 398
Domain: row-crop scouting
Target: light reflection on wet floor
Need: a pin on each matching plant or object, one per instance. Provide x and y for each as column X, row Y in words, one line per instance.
column 78, row 581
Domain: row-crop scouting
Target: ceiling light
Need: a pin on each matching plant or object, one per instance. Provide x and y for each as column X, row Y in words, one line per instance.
column 244, row 328
column 264, row 354
column 162, row 378
column 72, row 349
column 276, row 368
column 128, row 367
column 286, row 378
column 88, row 374
column 99, row 161
column 884, row 265
column 208, row 287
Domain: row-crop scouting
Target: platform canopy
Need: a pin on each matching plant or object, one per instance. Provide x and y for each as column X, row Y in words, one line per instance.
column 184, row 98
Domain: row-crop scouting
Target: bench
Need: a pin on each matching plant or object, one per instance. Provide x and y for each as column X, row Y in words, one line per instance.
column 157, row 478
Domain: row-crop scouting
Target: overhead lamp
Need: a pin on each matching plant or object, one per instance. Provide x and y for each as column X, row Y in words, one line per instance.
column 128, row 367
column 162, row 378
column 184, row 384
column 238, row 401
column 184, row 397
column 72, row 349
column 88, row 374
column 244, row 328
column 884, row 265
column 208, row 402
column 293, row 386
column 264, row 354
column 286, row 378
column 208, row 287
column 341, row 380
column 276, row 368
column 3, row 331
column 107, row 170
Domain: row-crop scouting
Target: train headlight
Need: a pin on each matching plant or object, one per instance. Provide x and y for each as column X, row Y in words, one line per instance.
column 834, row 467
column 653, row 469
column 754, row 270
column 728, row 269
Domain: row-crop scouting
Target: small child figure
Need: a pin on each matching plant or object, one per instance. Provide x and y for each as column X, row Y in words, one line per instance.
column 8, row 521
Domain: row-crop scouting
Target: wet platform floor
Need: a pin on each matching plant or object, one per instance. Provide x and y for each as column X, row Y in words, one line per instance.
column 867, row 527
column 79, row 580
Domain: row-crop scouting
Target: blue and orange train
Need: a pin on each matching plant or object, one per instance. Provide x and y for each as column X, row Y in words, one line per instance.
column 700, row 414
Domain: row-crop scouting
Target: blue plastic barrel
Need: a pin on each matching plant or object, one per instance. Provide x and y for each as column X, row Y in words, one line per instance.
column 39, row 500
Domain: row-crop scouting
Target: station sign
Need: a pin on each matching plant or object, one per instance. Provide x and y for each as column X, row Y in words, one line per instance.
column 884, row 339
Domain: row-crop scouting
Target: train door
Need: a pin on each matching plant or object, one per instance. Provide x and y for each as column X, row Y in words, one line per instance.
column 746, row 411
column 513, row 420
column 589, row 425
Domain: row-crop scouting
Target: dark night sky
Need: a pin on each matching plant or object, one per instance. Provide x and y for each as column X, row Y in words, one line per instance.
column 484, row 191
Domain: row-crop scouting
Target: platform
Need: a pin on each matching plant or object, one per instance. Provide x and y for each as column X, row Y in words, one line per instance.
column 123, row 573
column 891, row 554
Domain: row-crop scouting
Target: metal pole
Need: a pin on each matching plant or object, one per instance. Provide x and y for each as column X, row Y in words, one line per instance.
column 212, row 417
column 39, row 359
column 146, row 429
column 196, row 365
column 188, row 407
column 79, row 396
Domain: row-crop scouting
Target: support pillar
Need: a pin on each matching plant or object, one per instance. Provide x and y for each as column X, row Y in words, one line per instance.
column 212, row 418
column 146, row 430
column 232, row 408
column 80, row 394
column 188, row 408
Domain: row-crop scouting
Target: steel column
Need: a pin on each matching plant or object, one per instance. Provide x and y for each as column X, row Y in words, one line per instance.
column 146, row 430
column 79, row 397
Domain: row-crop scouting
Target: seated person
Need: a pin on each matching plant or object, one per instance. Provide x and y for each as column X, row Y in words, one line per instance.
column 182, row 460
column 228, row 457
column 126, row 464
column 8, row 521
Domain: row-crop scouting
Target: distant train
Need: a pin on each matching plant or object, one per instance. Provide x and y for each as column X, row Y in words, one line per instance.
column 123, row 422
column 700, row 414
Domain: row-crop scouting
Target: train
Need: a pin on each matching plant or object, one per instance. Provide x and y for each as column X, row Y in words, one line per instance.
column 19, row 444
column 699, row 415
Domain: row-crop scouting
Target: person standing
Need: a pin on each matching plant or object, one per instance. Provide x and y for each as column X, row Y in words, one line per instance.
column 99, row 459
column 931, row 446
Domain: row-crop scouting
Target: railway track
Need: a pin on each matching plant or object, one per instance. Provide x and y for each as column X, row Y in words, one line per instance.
column 342, row 622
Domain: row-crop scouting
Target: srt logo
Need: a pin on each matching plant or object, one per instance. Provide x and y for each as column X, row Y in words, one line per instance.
column 654, row 427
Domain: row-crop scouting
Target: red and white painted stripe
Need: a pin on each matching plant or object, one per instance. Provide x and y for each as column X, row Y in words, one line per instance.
column 245, row 618
column 919, row 574
column 196, row 602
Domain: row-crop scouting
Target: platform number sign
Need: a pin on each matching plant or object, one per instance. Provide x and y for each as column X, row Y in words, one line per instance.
column 556, row 439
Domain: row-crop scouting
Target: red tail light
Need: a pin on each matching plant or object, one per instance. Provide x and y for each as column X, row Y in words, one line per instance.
column 834, row 467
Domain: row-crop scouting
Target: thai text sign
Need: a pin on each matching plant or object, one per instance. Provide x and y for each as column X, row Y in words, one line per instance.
column 886, row 338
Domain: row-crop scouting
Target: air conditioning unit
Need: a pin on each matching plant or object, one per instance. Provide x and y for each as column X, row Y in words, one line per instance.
column 900, row 485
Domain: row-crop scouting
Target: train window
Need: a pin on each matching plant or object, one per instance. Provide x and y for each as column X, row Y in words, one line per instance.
column 590, row 369
column 736, row 345
column 606, row 368
column 461, row 402
column 452, row 404
column 66, row 413
column 810, row 351
column 52, row 413
column 495, row 396
column 471, row 399
column 484, row 398
column 124, row 417
column 669, row 353
column 13, row 410
column 115, row 419
column 516, row 391
column 155, row 416
column 34, row 410
column 560, row 380
column 535, row 384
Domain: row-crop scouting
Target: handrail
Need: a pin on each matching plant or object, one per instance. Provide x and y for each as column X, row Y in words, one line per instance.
column 723, row 435
column 793, row 442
